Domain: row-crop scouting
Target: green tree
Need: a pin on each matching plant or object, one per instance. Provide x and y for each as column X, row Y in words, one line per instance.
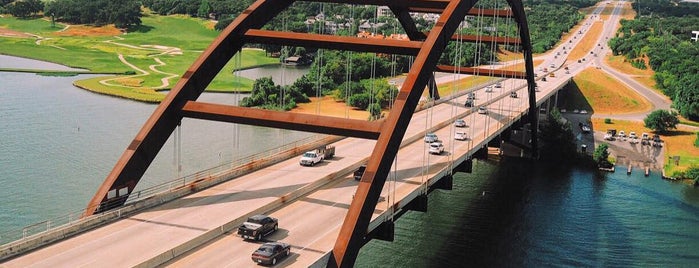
column 374, row 111
column 661, row 120
column 601, row 155
column 204, row 9
column 24, row 8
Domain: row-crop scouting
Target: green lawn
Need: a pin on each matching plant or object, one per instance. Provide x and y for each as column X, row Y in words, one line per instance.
column 142, row 47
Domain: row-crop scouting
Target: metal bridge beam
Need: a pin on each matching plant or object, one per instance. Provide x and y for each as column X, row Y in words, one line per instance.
column 283, row 120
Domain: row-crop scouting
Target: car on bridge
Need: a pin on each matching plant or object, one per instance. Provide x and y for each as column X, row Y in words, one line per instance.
column 482, row 110
column 431, row 137
column 359, row 172
column 269, row 253
column 460, row 136
column 459, row 123
column 436, row 148
column 468, row 103
column 258, row 226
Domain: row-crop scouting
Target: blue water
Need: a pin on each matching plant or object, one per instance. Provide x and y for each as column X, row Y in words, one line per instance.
column 59, row 142
column 518, row 214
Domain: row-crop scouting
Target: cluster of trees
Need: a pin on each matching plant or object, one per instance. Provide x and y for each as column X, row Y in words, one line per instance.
column 122, row 14
column 198, row 8
column 672, row 55
column 21, row 8
column 549, row 19
column 267, row 95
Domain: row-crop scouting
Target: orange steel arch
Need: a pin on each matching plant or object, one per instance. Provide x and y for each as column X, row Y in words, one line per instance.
column 246, row 28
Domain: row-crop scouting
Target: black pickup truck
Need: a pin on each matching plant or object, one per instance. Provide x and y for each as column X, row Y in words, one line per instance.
column 258, row 226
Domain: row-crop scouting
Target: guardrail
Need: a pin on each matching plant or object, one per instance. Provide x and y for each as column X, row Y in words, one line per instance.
column 223, row 171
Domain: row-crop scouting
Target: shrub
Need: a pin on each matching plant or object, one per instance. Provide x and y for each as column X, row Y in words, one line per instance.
column 607, row 120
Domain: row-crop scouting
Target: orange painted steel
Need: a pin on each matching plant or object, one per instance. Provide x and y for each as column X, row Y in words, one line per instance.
column 283, row 120
column 387, row 46
column 428, row 48
column 482, row 71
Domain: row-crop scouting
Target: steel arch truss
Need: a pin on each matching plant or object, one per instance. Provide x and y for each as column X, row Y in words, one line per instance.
column 246, row 28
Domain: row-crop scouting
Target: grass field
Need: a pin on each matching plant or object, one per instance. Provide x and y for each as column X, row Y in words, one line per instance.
column 588, row 42
column 594, row 90
column 161, row 49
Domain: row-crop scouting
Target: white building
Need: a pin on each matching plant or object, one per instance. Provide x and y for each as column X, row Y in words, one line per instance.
column 695, row 36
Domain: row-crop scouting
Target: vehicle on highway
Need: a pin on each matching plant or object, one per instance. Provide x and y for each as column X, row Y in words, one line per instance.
column 460, row 135
column 436, row 148
column 258, row 226
column 431, row 137
column 488, row 89
column 468, row 103
column 459, row 123
column 311, row 158
column 471, row 96
column 552, row 74
column 498, row 85
column 359, row 172
column 482, row 110
column 543, row 79
column 552, row 65
column 269, row 253
column 513, row 94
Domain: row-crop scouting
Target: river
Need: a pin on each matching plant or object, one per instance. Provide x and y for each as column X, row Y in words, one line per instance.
column 59, row 142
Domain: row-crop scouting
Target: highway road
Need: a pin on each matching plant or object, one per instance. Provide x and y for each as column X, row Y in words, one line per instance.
column 310, row 223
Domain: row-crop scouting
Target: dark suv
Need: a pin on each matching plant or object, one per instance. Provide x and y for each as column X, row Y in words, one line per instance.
column 359, row 172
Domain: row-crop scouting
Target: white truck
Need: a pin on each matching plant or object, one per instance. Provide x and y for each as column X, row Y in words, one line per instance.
column 316, row 156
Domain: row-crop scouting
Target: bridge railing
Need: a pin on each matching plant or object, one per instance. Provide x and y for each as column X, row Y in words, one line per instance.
column 219, row 170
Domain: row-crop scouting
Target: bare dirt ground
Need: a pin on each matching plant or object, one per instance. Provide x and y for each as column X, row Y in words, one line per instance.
column 10, row 33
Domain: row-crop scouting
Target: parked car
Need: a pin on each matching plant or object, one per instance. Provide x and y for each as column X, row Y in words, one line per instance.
column 270, row 252
column 436, row 148
column 460, row 135
column 482, row 110
column 431, row 137
column 258, row 226
column 459, row 123
column 632, row 135
column 622, row 134
column 608, row 136
column 359, row 172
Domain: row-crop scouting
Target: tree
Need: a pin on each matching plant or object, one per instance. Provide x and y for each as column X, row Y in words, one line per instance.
column 25, row 8
column 661, row 120
column 601, row 155
column 204, row 9
column 374, row 111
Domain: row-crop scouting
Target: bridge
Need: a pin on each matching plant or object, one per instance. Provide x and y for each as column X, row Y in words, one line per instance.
column 324, row 213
